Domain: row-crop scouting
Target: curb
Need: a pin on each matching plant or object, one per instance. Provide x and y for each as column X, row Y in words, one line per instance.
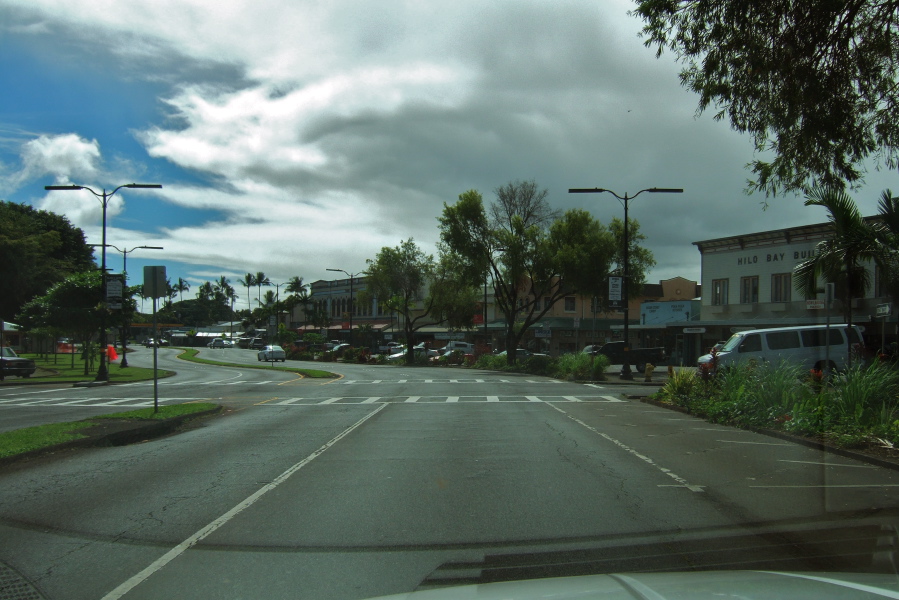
column 803, row 441
column 141, row 431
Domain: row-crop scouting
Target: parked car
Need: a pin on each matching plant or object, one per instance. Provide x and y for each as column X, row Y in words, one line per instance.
column 13, row 364
column 220, row 343
column 809, row 346
column 272, row 353
column 638, row 357
column 152, row 342
column 465, row 347
column 257, row 343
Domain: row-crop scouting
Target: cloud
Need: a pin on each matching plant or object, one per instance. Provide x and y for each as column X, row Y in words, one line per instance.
column 64, row 157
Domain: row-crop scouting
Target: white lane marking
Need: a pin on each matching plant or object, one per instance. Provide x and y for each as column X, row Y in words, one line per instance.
column 533, row 399
column 413, row 398
column 874, row 591
column 452, row 398
column 492, row 398
column 572, row 398
column 593, row 385
column 330, row 401
column 113, row 402
column 680, row 480
column 288, row 401
column 826, row 464
column 371, row 400
column 831, row 486
column 612, row 399
column 178, row 550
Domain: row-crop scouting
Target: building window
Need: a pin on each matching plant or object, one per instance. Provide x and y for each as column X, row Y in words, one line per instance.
column 719, row 291
column 780, row 287
column 569, row 304
column 749, row 290
column 546, row 302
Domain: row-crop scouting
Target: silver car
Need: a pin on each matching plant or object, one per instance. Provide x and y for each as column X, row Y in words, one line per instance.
column 272, row 353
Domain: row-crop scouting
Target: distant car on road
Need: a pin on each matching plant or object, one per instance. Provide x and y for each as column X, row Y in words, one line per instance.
column 13, row 364
column 220, row 343
column 257, row 343
column 272, row 353
column 151, row 342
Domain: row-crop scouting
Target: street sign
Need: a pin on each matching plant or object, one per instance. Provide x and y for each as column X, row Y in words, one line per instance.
column 115, row 291
column 449, row 336
column 814, row 304
column 694, row 329
column 543, row 333
column 615, row 289
column 155, row 283
column 884, row 310
column 577, row 322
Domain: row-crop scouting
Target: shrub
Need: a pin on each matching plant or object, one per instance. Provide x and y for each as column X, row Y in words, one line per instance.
column 581, row 367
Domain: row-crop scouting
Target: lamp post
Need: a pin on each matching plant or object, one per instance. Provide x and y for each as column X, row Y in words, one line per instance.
column 125, row 252
column 104, row 197
column 626, row 367
column 352, row 306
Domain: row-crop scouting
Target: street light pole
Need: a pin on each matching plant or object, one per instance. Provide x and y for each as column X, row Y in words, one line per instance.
column 352, row 306
column 104, row 197
column 125, row 252
column 626, row 367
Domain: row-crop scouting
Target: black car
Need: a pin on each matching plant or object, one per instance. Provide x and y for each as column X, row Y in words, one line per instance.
column 12, row 364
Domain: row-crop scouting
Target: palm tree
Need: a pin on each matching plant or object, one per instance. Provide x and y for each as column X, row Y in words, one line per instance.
column 205, row 291
column 248, row 281
column 222, row 286
column 181, row 287
column 261, row 280
column 841, row 258
column 298, row 293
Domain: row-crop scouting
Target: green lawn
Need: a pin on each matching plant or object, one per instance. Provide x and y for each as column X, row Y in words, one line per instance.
column 20, row 441
column 57, row 368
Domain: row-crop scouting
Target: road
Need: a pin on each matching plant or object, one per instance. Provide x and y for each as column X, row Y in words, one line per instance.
column 392, row 478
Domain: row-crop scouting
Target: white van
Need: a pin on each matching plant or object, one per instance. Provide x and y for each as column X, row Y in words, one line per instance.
column 466, row 347
column 803, row 345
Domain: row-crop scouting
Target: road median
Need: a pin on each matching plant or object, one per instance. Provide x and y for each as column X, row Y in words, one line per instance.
column 116, row 429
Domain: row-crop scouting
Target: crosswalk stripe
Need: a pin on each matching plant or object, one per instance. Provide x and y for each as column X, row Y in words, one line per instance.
column 492, row 398
column 452, row 398
column 413, row 398
column 330, row 401
column 371, row 400
column 533, row 398
column 572, row 398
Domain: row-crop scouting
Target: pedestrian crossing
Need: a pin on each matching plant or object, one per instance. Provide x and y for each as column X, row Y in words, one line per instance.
column 142, row 402
column 547, row 399
column 138, row 402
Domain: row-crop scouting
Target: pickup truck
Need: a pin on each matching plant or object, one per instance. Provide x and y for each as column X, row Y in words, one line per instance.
column 638, row 356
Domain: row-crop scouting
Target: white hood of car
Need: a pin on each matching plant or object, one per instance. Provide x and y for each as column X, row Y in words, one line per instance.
column 711, row 585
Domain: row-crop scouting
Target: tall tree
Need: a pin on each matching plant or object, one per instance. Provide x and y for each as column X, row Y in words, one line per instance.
column 248, row 281
column 813, row 83
column 38, row 249
column 298, row 294
column 72, row 305
column 423, row 291
column 261, row 280
column 841, row 258
column 531, row 262
column 181, row 287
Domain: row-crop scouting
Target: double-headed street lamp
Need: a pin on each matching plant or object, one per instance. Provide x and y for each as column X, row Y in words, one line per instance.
column 352, row 306
column 626, row 367
column 102, row 371
column 125, row 252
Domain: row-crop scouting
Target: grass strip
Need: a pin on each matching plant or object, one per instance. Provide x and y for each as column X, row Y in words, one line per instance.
column 41, row 436
column 190, row 354
column 58, row 369
column 24, row 440
column 167, row 411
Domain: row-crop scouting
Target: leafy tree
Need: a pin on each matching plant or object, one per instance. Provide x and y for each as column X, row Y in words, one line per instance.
column 640, row 261
column 529, row 259
column 407, row 280
column 38, row 249
column 813, row 83
column 73, row 305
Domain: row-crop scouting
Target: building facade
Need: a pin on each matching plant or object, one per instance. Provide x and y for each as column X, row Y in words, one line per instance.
column 748, row 283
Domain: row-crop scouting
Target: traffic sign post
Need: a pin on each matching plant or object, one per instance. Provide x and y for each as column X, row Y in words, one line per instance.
column 883, row 312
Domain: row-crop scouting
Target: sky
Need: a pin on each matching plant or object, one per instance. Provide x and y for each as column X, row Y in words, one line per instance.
column 296, row 136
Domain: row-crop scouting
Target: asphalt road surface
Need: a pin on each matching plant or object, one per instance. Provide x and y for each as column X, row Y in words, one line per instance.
column 390, row 479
